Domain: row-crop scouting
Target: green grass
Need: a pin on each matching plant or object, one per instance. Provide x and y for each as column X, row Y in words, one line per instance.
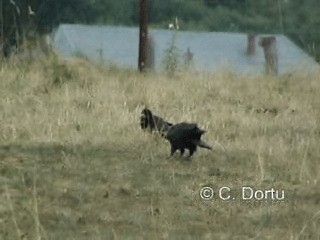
column 75, row 164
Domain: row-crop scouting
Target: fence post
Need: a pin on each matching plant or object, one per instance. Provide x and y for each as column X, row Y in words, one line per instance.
column 150, row 56
column 251, row 47
column 270, row 53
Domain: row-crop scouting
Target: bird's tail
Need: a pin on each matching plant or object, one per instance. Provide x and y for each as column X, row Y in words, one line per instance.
column 204, row 144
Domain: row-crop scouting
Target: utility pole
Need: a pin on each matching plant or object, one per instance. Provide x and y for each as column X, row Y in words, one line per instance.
column 280, row 15
column 1, row 19
column 143, row 34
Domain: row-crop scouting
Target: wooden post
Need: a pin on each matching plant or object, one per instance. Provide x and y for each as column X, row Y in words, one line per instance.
column 251, row 47
column 270, row 53
column 143, row 34
column 150, row 55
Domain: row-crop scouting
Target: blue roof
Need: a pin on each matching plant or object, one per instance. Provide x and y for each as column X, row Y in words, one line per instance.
column 211, row 50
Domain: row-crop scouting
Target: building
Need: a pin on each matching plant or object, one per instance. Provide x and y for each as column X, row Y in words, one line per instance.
column 209, row 50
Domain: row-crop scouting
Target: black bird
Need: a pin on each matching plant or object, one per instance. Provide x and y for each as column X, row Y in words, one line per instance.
column 185, row 136
column 153, row 123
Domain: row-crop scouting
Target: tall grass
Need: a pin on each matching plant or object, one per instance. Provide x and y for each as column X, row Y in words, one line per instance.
column 75, row 165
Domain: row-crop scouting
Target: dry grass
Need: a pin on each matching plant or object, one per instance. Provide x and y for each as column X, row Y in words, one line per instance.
column 75, row 165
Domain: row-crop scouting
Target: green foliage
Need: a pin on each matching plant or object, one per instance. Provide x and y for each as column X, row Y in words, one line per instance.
column 303, row 25
column 223, row 19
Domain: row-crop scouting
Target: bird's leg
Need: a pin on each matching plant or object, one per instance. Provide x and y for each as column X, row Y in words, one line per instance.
column 191, row 151
column 173, row 149
column 181, row 152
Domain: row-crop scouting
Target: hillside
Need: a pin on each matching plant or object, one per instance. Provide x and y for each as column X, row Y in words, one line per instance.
column 75, row 164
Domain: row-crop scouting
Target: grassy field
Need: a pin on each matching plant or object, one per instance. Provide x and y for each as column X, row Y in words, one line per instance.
column 75, row 164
